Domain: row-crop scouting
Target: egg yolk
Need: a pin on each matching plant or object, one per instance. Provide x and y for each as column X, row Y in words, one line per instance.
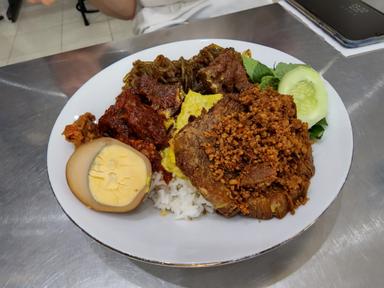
column 116, row 176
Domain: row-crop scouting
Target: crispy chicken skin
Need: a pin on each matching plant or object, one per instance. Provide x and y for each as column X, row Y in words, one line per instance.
column 194, row 162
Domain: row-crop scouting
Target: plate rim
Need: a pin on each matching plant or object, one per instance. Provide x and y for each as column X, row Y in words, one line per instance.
column 212, row 263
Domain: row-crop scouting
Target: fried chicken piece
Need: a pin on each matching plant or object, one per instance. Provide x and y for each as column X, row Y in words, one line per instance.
column 194, row 162
column 248, row 155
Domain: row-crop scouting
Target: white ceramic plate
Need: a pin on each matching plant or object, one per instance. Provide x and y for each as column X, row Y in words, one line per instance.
column 210, row 240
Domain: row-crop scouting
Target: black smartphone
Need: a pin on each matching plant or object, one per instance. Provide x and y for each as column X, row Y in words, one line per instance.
column 352, row 23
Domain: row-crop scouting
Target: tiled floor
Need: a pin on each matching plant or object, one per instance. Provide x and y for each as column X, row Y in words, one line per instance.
column 41, row 31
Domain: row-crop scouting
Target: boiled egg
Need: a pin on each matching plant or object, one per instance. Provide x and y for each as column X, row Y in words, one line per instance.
column 108, row 175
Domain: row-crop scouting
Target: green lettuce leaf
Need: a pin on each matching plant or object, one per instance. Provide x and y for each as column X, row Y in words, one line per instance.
column 282, row 68
column 255, row 69
column 317, row 130
column 269, row 81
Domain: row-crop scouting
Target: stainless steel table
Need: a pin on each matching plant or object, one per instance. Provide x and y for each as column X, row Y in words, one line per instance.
column 41, row 247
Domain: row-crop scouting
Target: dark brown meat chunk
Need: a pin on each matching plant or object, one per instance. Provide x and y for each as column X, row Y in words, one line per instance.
column 164, row 98
column 161, row 69
column 213, row 70
column 206, row 56
column 182, row 71
column 250, row 155
column 133, row 119
column 225, row 74
column 82, row 130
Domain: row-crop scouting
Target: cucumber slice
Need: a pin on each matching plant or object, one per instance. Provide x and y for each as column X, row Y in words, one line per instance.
column 309, row 93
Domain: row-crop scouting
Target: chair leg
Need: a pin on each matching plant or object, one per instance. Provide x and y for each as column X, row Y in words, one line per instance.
column 13, row 9
column 80, row 6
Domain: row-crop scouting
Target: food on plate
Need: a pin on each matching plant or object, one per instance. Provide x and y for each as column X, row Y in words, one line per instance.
column 178, row 197
column 108, row 175
column 225, row 74
column 168, row 161
column 83, row 130
column 182, row 72
column 163, row 98
column 221, row 131
column 308, row 91
column 138, row 120
column 193, row 105
column 248, row 155
column 298, row 80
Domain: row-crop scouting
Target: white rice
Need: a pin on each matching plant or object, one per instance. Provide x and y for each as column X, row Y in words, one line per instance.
column 179, row 197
